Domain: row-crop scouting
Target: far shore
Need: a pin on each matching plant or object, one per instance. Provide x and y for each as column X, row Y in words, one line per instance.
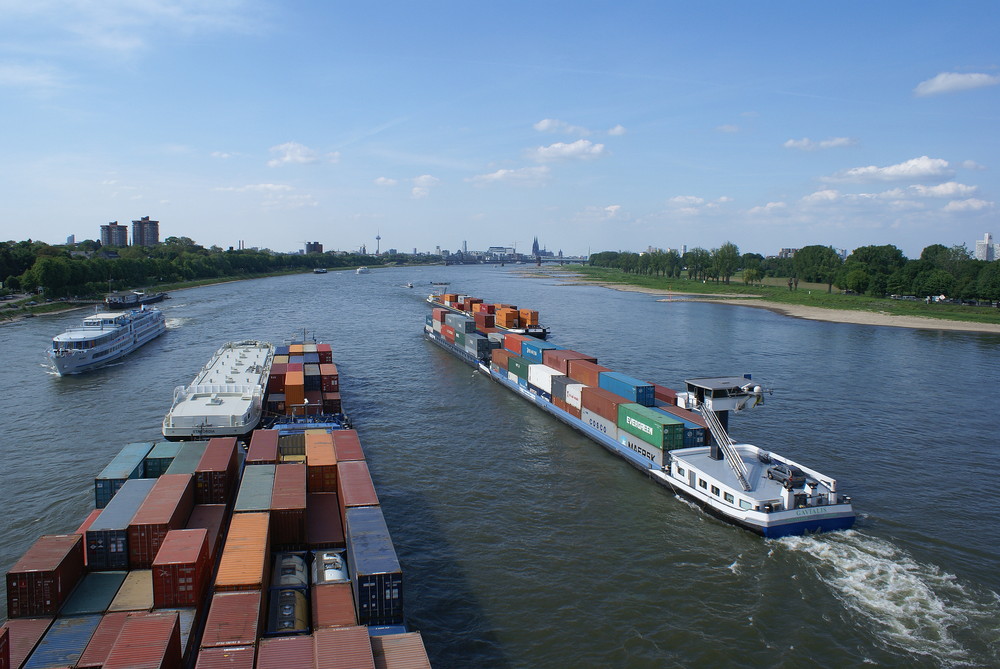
column 808, row 313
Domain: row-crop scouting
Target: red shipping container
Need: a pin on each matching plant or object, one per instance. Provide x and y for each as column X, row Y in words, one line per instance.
column 182, row 569
column 238, row 657
column 329, row 377
column 167, row 507
column 294, row 367
column 324, row 527
column 215, row 475
column 85, row 525
column 685, row 414
column 333, row 605
column 39, row 583
column 321, row 462
column 343, row 648
column 602, row 402
column 147, row 641
column 664, row 394
column 559, row 358
column 500, row 356
column 4, row 648
column 512, row 342
column 331, row 403
column 571, row 410
column 347, row 446
column 315, row 400
column 585, row 372
column 449, row 333
column 354, row 485
column 438, row 314
column 210, row 517
column 290, row 652
column 23, row 634
column 288, row 506
column 263, row 448
column 276, row 379
column 484, row 320
column 97, row 650
column 233, row 619
column 325, row 354
column 400, row 651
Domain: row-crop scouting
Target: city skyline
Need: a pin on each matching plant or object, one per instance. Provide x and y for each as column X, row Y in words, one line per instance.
column 623, row 127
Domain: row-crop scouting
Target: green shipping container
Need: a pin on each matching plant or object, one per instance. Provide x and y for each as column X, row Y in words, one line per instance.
column 161, row 457
column 460, row 338
column 519, row 366
column 255, row 489
column 187, row 459
column 94, row 594
column 651, row 426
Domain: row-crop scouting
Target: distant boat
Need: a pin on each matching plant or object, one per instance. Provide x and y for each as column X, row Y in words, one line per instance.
column 131, row 299
column 363, row 270
column 103, row 338
column 409, row 284
column 319, row 270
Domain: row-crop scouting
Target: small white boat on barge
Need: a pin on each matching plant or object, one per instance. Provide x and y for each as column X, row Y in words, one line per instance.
column 226, row 398
column 104, row 337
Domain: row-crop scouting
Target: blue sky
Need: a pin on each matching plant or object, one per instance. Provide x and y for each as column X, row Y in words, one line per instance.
column 592, row 126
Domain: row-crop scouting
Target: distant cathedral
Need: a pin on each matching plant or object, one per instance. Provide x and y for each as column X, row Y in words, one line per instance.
column 534, row 247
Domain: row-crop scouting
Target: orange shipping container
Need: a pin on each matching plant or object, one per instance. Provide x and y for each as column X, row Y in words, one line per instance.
column 295, row 349
column 529, row 318
column 245, row 556
column 321, row 462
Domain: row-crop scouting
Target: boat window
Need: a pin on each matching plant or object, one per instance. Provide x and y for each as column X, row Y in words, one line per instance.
column 680, row 471
column 701, row 483
column 715, row 490
column 745, row 504
column 728, row 496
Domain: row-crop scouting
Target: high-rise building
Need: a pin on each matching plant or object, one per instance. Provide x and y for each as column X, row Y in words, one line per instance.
column 313, row 247
column 145, row 232
column 113, row 234
column 986, row 249
column 71, row 240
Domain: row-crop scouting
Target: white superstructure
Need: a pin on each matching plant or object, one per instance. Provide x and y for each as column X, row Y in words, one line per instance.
column 103, row 338
column 226, row 397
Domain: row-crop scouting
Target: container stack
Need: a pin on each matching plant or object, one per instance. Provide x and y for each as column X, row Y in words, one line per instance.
column 199, row 554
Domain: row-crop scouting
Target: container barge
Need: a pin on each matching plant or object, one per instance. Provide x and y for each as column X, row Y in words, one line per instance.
column 214, row 553
column 490, row 317
column 678, row 439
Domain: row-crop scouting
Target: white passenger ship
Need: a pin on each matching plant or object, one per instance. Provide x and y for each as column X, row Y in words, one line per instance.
column 103, row 338
column 226, row 397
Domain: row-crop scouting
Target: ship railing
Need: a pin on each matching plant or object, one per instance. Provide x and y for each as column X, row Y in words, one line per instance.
column 722, row 438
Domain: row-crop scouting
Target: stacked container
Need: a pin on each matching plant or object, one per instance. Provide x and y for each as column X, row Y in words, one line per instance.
column 128, row 464
column 182, row 569
column 215, row 475
column 160, row 458
column 376, row 578
column 64, row 642
column 167, row 507
column 39, row 583
column 147, row 641
column 107, row 539
column 245, row 554
column 321, row 462
column 233, row 619
column 263, row 448
column 288, row 506
column 255, row 489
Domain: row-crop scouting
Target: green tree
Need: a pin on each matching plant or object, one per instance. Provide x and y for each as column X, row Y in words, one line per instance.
column 817, row 263
column 726, row 260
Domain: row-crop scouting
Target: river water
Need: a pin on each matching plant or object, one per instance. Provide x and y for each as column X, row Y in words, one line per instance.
column 524, row 544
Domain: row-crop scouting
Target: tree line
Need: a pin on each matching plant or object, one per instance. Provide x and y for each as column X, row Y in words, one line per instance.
column 870, row 270
column 83, row 271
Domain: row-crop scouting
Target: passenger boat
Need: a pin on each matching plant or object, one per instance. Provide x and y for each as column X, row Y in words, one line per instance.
column 363, row 270
column 679, row 439
column 130, row 299
column 103, row 338
column 226, row 398
column 319, row 270
column 502, row 317
column 210, row 554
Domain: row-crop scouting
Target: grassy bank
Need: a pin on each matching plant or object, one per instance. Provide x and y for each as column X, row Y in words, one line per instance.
column 808, row 294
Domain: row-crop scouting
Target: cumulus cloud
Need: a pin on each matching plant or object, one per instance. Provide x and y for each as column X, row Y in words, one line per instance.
column 972, row 204
column 555, row 125
column 293, row 153
column 806, row 144
column 528, row 176
column 687, row 200
column 612, row 210
column 953, row 82
column 770, row 208
column 385, row 181
column 820, row 196
column 948, row 189
column 916, row 169
column 422, row 185
column 617, row 131
column 581, row 149
column 692, row 204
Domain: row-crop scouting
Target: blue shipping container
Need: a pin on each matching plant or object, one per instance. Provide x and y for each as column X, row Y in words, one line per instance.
column 160, row 458
column 376, row 578
column 694, row 434
column 625, row 386
column 281, row 350
column 532, row 350
column 94, row 593
column 128, row 464
column 64, row 643
column 106, row 541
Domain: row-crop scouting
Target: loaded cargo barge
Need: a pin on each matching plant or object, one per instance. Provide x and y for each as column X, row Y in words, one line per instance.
column 491, row 317
column 678, row 439
column 210, row 553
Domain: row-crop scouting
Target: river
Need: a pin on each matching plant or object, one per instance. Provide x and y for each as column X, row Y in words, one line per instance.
column 524, row 544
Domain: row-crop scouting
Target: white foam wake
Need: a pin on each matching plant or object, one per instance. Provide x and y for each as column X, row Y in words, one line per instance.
column 917, row 608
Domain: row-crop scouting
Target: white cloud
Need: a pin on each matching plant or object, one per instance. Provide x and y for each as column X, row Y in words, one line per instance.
column 385, row 181
column 687, row 200
column 419, row 192
column 555, row 125
column 729, row 127
column 612, row 210
column 617, row 131
column 806, row 144
column 259, row 188
column 221, row 154
column 581, row 149
column 426, row 181
column 971, row 165
column 821, row 196
column 971, row 204
column 916, row 169
column 953, row 82
column 948, row 189
column 770, row 208
column 28, row 76
column 528, row 176
column 291, row 153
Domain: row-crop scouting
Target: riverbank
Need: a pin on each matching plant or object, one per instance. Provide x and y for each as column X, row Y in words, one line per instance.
column 795, row 310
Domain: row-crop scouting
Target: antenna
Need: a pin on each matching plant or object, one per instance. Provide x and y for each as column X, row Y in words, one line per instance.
column 378, row 240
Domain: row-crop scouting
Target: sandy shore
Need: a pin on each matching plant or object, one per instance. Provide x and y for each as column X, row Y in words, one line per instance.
column 812, row 313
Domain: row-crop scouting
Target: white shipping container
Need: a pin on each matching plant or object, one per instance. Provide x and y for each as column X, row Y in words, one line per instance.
column 641, row 447
column 574, row 395
column 540, row 376
column 512, row 377
column 599, row 423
